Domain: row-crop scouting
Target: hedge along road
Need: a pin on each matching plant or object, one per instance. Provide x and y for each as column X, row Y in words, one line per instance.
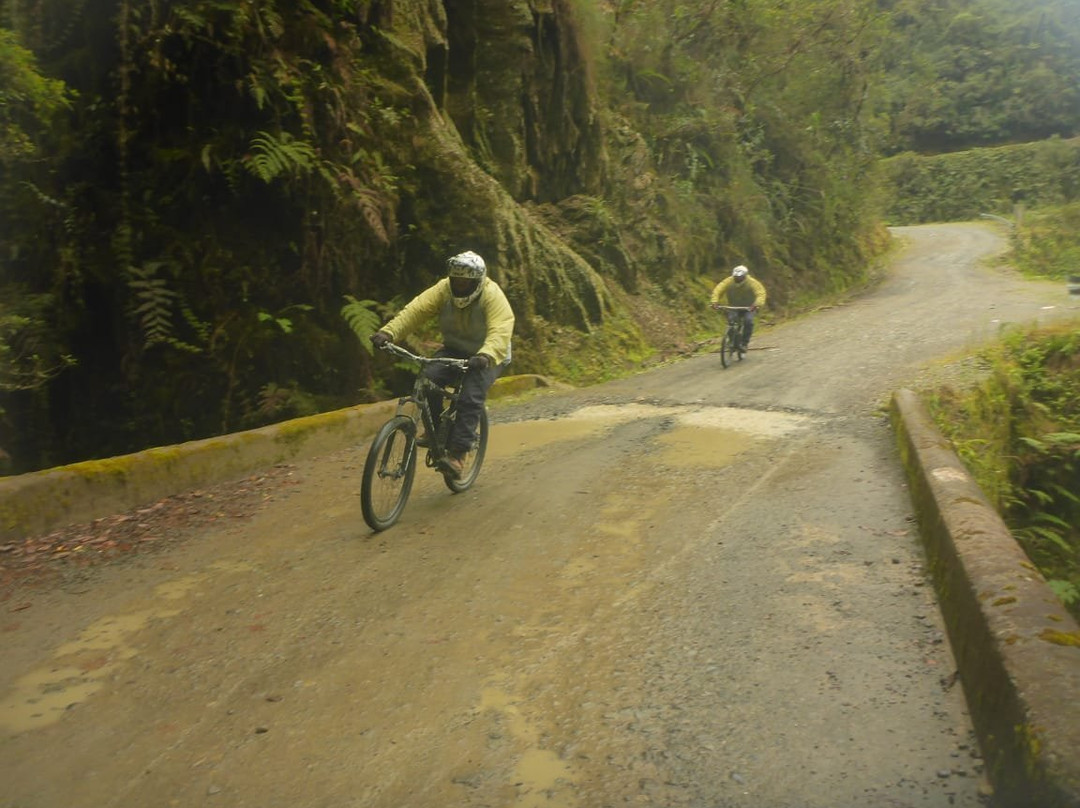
column 696, row 587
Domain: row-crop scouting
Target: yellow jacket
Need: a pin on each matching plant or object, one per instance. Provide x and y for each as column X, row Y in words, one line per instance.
column 485, row 326
column 751, row 293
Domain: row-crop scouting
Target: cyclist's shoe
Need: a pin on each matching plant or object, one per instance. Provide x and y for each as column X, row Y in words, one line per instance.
column 423, row 441
column 453, row 466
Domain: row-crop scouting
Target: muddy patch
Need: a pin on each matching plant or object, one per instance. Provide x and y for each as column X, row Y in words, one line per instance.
column 702, row 436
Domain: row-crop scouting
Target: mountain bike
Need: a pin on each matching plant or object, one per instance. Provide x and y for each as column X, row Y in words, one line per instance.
column 391, row 460
column 732, row 344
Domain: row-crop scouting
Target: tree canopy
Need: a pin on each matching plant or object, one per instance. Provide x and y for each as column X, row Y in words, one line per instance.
column 962, row 73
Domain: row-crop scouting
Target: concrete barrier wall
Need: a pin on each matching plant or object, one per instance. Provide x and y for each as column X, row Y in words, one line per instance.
column 1016, row 647
column 35, row 503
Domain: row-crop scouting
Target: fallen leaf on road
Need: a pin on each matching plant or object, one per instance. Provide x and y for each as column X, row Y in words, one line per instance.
column 147, row 528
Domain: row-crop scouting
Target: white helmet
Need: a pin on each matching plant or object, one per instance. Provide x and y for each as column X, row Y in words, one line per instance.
column 740, row 272
column 466, row 266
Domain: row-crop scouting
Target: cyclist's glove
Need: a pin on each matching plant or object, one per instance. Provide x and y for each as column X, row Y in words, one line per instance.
column 379, row 339
column 479, row 362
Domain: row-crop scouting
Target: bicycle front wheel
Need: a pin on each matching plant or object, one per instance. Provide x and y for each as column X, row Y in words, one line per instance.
column 473, row 460
column 728, row 347
column 389, row 472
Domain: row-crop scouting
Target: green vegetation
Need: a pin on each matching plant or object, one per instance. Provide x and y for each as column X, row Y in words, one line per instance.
column 1001, row 181
column 1019, row 434
column 1046, row 242
column 967, row 73
column 30, row 106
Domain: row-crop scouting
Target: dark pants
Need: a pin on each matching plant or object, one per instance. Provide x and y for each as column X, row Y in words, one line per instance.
column 474, row 391
column 748, row 324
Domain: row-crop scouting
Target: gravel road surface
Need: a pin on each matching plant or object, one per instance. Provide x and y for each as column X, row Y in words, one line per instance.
column 694, row 587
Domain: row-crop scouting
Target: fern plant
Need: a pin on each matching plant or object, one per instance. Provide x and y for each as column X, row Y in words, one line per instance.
column 154, row 303
column 280, row 320
column 1068, row 591
column 368, row 201
column 273, row 157
column 363, row 318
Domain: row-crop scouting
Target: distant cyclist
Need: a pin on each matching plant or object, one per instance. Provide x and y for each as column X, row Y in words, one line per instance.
column 740, row 290
column 476, row 322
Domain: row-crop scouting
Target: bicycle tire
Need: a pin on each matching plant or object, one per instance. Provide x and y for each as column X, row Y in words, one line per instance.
column 388, row 473
column 473, row 460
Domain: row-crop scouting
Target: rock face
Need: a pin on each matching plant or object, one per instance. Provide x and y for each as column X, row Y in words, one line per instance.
column 508, row 152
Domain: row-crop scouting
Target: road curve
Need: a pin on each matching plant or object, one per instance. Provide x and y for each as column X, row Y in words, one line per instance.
column 696, row 587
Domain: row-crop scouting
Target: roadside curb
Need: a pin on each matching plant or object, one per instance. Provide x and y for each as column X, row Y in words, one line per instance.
column 1016, row 647
column 41, row 501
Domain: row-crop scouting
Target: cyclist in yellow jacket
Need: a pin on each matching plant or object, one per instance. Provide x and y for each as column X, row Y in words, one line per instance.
column 477, row 323
column 740, row 290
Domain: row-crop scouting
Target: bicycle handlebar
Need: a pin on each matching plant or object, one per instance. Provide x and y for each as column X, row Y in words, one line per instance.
column 719, row 307
column 397, row 350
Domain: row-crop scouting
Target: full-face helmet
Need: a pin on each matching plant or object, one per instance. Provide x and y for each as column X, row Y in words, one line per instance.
column 739, row 273
column 467, row 271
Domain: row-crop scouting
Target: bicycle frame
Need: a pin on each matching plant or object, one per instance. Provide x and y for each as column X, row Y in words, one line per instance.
column 416, row 405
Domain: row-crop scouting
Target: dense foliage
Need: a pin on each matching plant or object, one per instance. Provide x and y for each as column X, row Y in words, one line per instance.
column 1002, row 181
column 1019, row 433
column 29, row 106
column 1047, row 242
column 171, row 235
column 206, row 202
column 964, row 73
column 757, row 112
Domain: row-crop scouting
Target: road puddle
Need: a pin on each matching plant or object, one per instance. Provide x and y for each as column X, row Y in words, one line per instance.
column 178, row 589
column 80, row 668
column 759, row 423
column 703, row 436
column 702, row 447
column 521, row 436
column 542, row 776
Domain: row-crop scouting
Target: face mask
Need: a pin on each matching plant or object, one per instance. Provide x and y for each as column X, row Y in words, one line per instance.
column 463, row 287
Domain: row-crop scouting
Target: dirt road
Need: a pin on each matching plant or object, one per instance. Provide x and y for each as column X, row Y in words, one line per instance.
column 697, row 587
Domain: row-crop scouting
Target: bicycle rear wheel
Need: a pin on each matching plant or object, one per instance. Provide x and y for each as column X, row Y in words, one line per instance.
column 473, row 460
column 389, row 472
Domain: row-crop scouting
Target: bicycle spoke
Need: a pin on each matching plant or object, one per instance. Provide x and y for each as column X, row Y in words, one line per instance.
column 388, row 473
